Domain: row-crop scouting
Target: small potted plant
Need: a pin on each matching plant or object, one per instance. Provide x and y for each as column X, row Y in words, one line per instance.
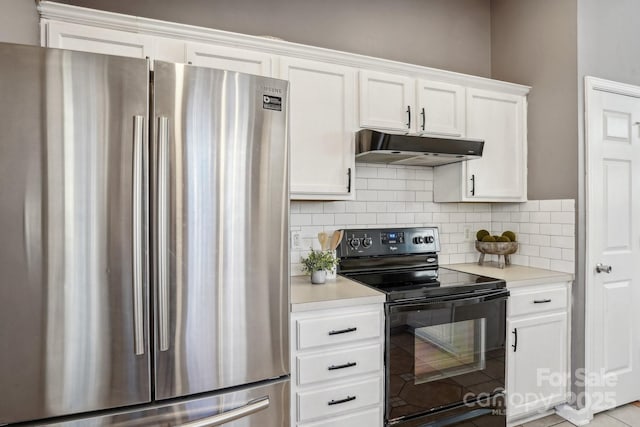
column 317, row 263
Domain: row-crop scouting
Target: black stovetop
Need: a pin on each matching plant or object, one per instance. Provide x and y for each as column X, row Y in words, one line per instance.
column 419, row 283
column 403, row 263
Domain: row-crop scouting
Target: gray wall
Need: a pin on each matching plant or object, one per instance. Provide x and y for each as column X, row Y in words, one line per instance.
column 535, row 43
column 451, row 35
column 19, row 22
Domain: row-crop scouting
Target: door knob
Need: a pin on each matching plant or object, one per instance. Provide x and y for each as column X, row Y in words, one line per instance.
column 601, row 268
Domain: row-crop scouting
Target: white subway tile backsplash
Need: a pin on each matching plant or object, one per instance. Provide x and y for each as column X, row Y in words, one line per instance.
column 386, row 218
column 377, row 206
column 322, row 219
column 562, row 242
column 378, row 184
column 564, row 266
column 423, row 218
column 406, row 218
column 551, row 229
column 500, row 216
column 551, row 253
column 353, row 206
column 366, row 195
column 563, row 217
column 348, row 219
column 366, row 219
column 540, row 217
column 551, row 205
column 531, row 228
column 539, row 262
column 568, row 229
column 520, row 217
column 403, row 196
column 387, row 173
column 540, row 240
column 569, row 205
column 335, row 207
column 530, row 206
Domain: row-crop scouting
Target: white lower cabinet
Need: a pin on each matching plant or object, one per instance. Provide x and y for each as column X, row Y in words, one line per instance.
column 337, row 367
column 538, row 349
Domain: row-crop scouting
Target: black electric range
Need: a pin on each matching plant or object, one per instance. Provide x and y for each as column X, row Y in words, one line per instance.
column 403, row 263
column 444, row 329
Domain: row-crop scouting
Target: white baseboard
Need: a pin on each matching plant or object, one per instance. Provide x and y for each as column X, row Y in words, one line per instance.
column 578, row 417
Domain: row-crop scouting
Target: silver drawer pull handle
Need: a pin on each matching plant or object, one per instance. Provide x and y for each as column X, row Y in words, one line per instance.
column 234, row 414
column 541, row 301
column 345, row 400
column 346, row 365
column 343, row 331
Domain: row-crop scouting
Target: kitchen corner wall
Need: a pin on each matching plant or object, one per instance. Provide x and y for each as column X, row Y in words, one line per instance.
column 402, row 196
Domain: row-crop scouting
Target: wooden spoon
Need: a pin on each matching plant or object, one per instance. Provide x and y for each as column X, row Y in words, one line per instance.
column 336, row 238
column 322, row 238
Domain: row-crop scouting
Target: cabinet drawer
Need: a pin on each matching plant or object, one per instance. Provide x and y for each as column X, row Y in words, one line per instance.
column 338, row 329
column 338, row 399
column 339, row 364
column 538, row 301
column 368, row 418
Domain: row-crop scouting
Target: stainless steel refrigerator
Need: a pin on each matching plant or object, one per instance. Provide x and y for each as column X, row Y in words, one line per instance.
column 144, row 256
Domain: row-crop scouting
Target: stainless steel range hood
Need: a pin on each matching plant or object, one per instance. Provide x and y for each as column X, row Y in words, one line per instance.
column 413, row 150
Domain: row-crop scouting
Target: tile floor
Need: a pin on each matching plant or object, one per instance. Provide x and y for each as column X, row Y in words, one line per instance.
column 624, row 416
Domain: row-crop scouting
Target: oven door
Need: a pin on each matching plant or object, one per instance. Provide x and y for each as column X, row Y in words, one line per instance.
column 446, row 354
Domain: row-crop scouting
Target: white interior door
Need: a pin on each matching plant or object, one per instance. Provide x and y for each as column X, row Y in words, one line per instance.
column 613, row 240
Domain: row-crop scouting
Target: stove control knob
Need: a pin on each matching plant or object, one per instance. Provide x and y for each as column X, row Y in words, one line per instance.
column 367, row 242
column 429, row 239
column 418, row 240
column 354, row 243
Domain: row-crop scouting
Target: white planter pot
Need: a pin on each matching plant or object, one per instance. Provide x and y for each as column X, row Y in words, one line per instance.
column 318, row 277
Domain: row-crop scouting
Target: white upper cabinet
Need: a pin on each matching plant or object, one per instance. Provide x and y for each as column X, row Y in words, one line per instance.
column 387, row 101
column 440, row 109
column 63, row 35
column 399, row 103
column 228, row 58
column 321, row 124
column 501, row 174
column 325, row 111
column 85, row 38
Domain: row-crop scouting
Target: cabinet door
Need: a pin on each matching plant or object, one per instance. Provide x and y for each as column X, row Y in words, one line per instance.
column 499, row 120
column 387, row 101
column 537, row 363
column 228, row 58
column 98, row 40
column 321, row 128
column 441, row 109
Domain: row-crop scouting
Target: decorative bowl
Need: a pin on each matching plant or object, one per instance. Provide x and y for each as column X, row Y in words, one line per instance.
column 496, row 248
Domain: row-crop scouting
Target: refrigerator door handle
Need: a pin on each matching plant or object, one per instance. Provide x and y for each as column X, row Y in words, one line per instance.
column 137, row 241
column 163, row 289
column 250, row 408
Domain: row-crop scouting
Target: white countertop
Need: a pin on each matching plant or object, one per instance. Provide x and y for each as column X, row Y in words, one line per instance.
column 338, row 292
column 514, row 275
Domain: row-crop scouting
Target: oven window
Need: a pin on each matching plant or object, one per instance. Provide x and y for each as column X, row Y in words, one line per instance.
column 448, row 350
column 443, row 355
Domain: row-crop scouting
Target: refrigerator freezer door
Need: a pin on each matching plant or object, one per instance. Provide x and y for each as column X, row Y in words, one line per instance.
column 221, row 223
column 266, row 405
column 73, row 334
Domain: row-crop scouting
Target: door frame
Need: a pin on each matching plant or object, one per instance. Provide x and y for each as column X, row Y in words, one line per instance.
column 591, row 85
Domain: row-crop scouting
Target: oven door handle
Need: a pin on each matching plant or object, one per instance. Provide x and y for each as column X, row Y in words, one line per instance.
column 412, row 305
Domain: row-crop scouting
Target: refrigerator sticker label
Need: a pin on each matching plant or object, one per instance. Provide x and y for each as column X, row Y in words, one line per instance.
column 270, row 102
